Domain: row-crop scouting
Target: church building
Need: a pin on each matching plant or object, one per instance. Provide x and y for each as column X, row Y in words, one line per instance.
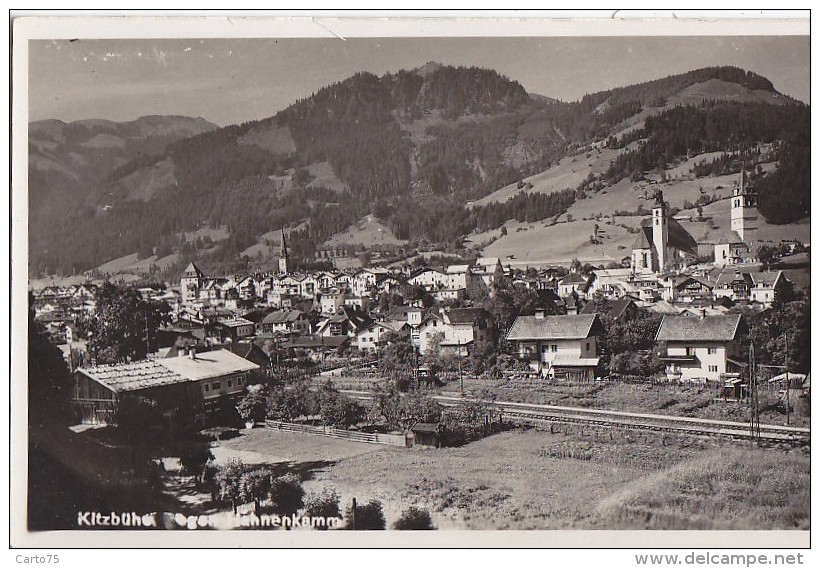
column 662, row 243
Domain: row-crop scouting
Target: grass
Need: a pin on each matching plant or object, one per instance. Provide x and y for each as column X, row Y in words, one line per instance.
column 729, row 488
column 568, row 478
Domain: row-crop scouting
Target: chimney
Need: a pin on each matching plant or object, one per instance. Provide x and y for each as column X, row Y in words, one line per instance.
column 539, row 314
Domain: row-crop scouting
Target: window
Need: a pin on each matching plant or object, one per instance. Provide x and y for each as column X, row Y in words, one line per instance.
column 207, row 387
column 554, row 348
column 587, row 345
column 230, row 384
column 712, row 351
column 217, row 386
column 713, row 368
column 657, row 221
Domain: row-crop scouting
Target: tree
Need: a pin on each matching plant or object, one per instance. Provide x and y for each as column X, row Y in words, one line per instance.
column 253, row 405
column 120, row 323
column 286, row 494
column 290, row 404
column 194, row 457
column 324, row 504
column 255, row 486
column 367, row 517
column 414, row 519
column 138, row 419
column 228, row 479
column 49, row 382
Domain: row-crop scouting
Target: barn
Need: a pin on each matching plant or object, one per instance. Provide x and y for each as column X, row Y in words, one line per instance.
column 192, row 384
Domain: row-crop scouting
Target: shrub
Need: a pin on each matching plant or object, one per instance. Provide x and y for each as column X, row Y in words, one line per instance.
column 368, row 517
column 414, row 519
column 286, row 494
column 324, row 504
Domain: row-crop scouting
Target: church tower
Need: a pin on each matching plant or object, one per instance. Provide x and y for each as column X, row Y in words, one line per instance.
column 744, row 210
column 190, row 283
column 283, row 255
column 660, row 231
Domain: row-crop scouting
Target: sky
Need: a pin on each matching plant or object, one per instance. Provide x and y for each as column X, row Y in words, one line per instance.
column 229, row 81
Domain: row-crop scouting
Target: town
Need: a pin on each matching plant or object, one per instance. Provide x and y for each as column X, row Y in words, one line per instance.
column 428, row 355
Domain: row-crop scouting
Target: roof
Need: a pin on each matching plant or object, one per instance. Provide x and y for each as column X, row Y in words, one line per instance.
column 282, row 316
column 615, row 308
column 463, row 316
column 312, row 342
column 208, row 365
column 728, row 238
column 553, row 327
column 193, row 271
column 702, row 281
column 458, row 268
column 709, row 328
column 643, row 239
column 572, row 278
column 426, row 427
column 487, row 261
column 679, row 238
column 133, row 376
column 236, row 322
column 570, row 361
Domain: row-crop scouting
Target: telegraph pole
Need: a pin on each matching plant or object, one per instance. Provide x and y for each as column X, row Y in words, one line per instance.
column 786, row 338
column 755, row 420
column 460, row 375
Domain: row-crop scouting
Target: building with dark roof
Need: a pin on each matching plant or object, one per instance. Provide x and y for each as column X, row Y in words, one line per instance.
column 558, row 346
column 700, row 348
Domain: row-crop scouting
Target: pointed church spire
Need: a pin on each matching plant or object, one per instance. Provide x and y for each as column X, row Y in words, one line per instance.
column 283, row 250
column 283, row 255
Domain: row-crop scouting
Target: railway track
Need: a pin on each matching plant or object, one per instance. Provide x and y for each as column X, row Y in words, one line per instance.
column 543, row 414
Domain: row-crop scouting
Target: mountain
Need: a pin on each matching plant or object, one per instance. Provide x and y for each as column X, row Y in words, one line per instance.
column 68, row 162
column 410, row 148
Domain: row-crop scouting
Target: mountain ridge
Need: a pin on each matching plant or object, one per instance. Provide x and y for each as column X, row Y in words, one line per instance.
column 414, row 145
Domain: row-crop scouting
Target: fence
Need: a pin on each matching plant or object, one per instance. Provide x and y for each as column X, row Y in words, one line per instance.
column 371, row 438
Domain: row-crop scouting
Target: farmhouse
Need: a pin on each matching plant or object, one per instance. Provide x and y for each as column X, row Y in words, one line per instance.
column 558, row 346
column 762, row 287
column 196, row 385
column 700, row 348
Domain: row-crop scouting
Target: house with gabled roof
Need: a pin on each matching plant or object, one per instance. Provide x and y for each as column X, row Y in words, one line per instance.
column 558, row 346
column 700, row 349
column 192, row 384
column 285, row 321
column 572, row 282
column 762, row 287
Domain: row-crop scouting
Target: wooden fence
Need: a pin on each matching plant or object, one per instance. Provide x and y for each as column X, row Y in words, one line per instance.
column 369, row 437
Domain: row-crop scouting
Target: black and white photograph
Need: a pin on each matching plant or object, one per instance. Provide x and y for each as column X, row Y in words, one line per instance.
column 525, row 282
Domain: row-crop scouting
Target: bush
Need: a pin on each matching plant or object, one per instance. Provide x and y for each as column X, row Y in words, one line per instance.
column 286, row 494
column 324, row 504
column 369, row 517
column 414, row 519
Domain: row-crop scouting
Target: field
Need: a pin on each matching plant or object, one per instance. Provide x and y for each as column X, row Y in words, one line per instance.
column 566, row 479
column 368, row 232
column 559, row 240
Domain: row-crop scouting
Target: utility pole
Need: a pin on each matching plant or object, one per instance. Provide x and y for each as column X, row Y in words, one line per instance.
column 755, row 420
column 788, row 384
column 460, row 375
